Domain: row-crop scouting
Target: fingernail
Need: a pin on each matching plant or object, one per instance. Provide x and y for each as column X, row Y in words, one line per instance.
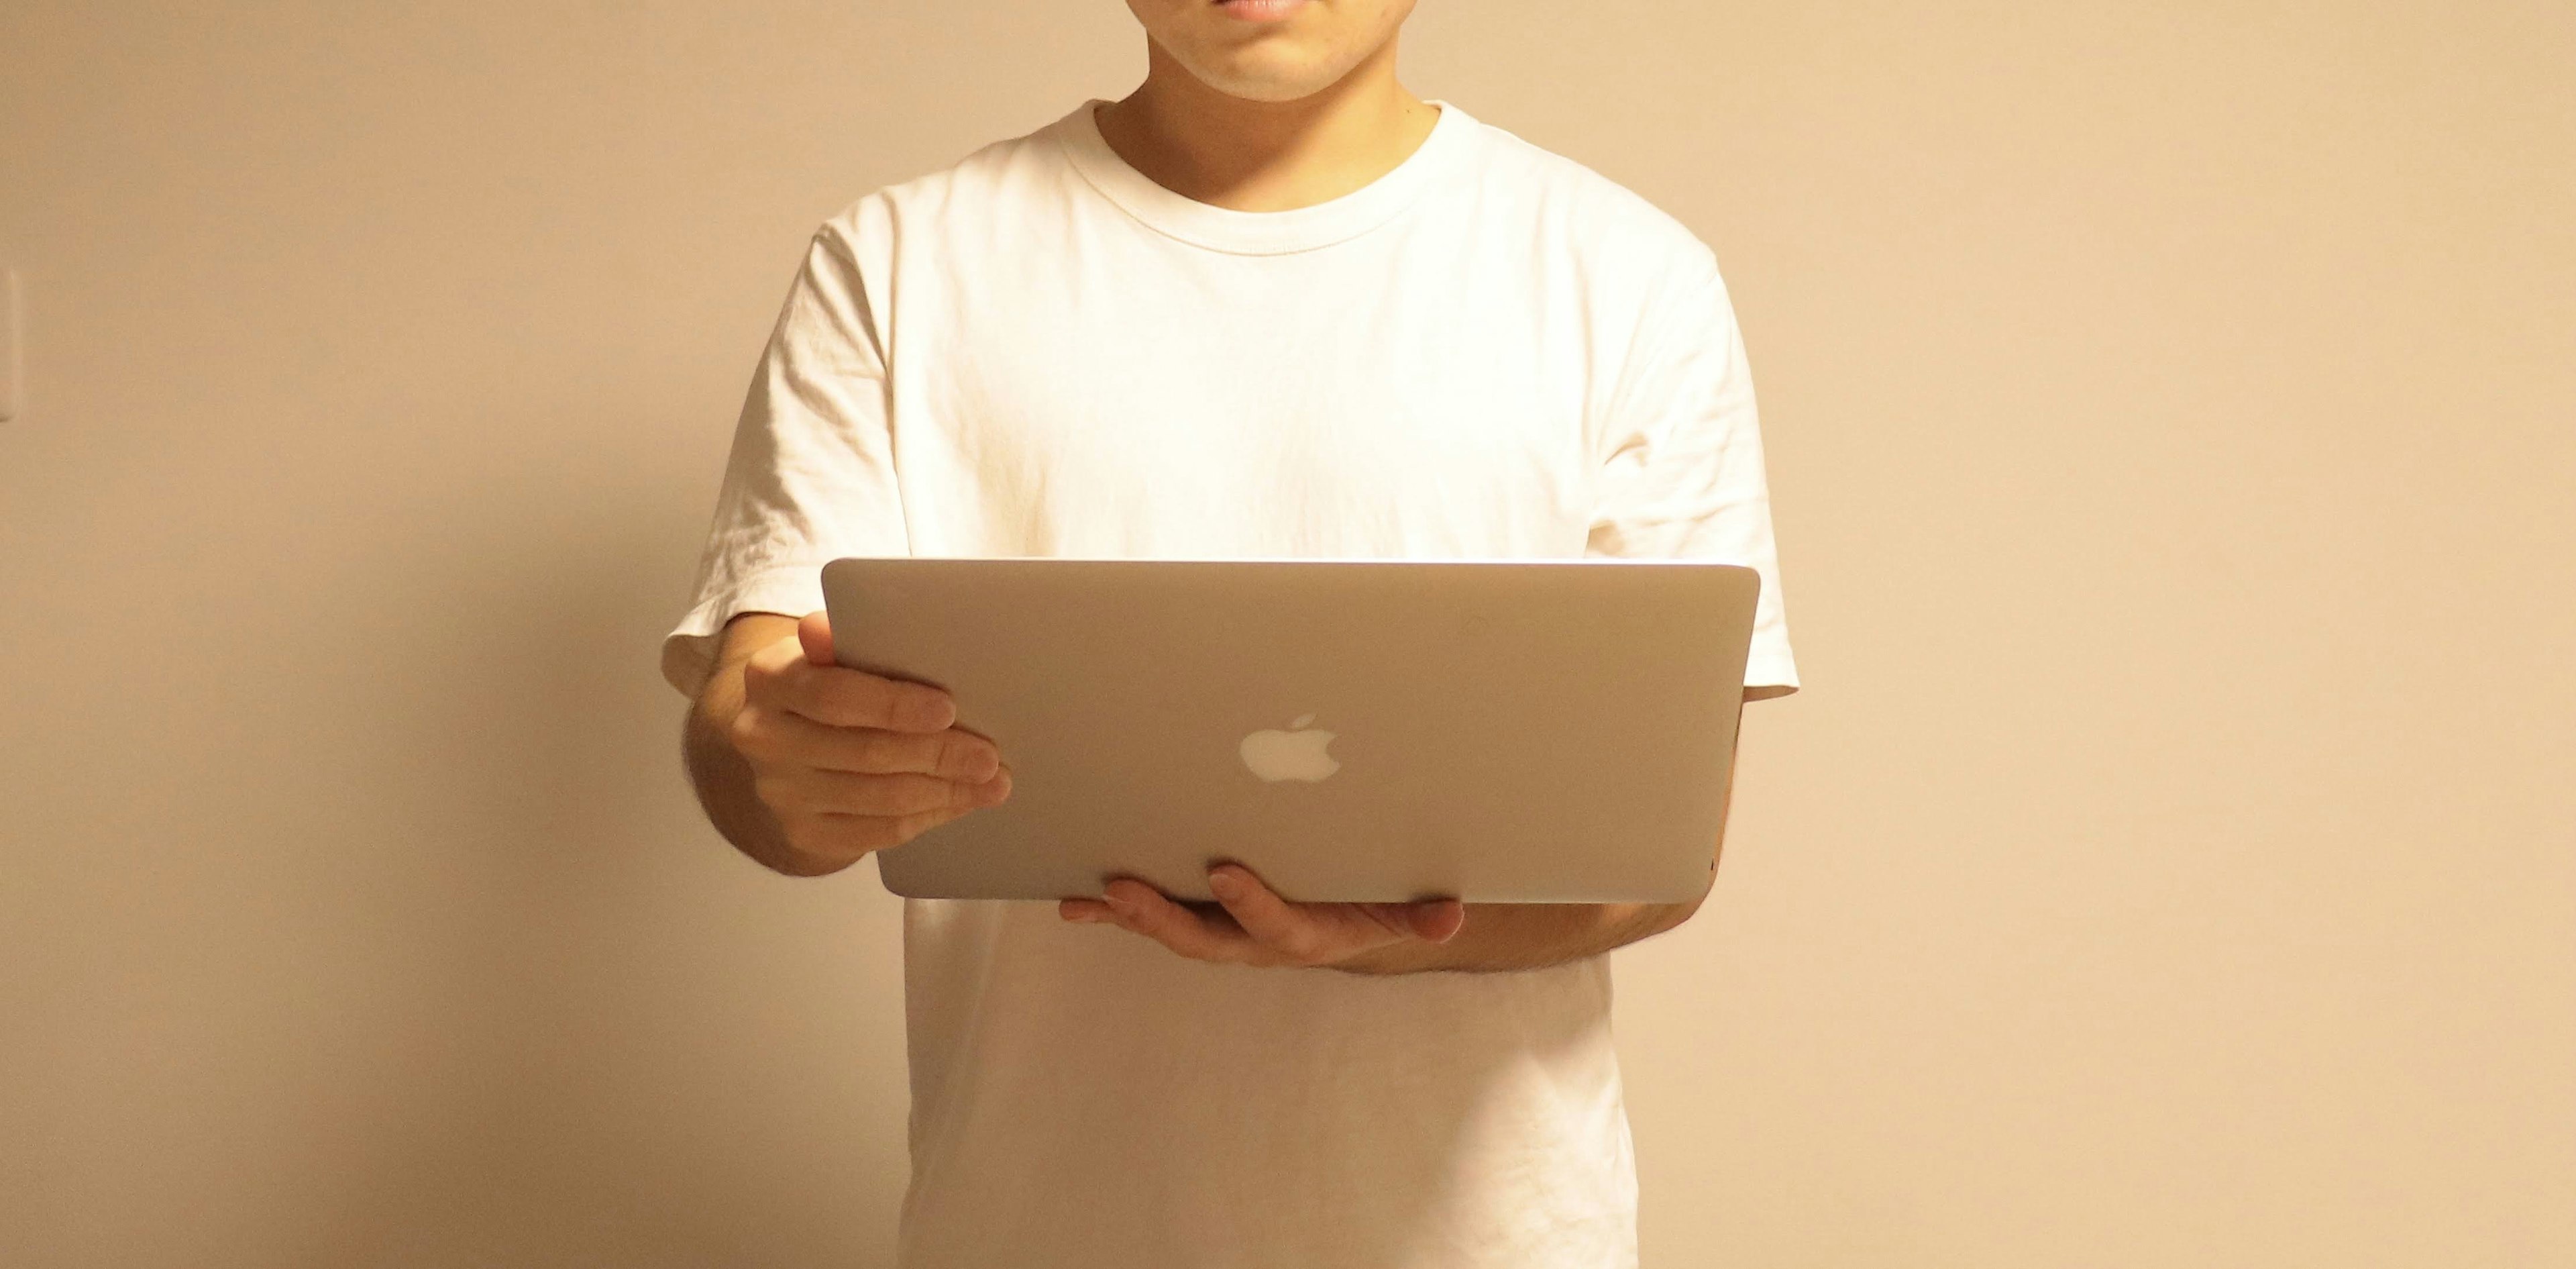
column 1225, row 883
column 1121, row 903
column 997, row 788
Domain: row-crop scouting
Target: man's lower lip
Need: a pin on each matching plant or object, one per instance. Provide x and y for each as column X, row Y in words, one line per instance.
column 1260, row 10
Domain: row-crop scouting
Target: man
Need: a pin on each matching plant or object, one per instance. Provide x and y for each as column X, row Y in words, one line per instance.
column 1269, row 304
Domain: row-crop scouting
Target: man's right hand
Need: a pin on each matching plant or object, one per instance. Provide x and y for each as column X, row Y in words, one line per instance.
column 843, row 762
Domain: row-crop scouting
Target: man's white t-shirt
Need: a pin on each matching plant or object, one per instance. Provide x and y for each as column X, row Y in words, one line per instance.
column 1489, row 352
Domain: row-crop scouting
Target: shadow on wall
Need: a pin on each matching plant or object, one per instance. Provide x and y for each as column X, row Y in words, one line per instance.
column 628, row 1046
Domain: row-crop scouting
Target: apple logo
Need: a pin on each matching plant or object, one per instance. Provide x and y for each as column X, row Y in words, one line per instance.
column 1296, row 754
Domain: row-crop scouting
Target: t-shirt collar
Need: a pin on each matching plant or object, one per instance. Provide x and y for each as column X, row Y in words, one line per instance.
column 1257, row 233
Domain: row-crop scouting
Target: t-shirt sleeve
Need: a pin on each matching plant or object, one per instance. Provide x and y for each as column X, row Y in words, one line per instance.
column 1680, row 454
column 811, row 476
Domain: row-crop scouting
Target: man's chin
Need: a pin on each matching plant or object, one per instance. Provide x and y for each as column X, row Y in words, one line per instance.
column 1271, row 84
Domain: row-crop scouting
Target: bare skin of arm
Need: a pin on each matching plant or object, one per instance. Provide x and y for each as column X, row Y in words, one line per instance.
column 807, row 766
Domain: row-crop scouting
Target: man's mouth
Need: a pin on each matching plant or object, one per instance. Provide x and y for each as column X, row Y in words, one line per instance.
column 1260, row 10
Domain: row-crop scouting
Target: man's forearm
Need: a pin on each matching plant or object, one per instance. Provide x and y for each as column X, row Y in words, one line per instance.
column 723, row 779
column 1517, row 936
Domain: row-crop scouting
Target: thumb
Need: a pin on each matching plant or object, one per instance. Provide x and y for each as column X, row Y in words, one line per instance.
column 1437, row 921
column 814, row 632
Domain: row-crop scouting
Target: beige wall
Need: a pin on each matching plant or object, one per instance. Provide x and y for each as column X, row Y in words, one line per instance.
column 2173, row 431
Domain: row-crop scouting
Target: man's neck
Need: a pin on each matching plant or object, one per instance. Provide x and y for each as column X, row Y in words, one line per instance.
column 1262, row 155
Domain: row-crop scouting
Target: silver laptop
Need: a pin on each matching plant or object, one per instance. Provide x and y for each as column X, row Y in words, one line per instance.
column 1509, row 732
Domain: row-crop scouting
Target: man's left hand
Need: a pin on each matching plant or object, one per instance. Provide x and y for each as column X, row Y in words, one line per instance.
column 1252, row 925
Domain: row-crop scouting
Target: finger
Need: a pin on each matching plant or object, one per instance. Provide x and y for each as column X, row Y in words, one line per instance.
column 1083, row 911
column 954, row 754
column 1436, row 920
column 1141, row 909
column 846, row 793
column 1431, row 920
column 1294, row 931
column 814, row 635
column 839, row 697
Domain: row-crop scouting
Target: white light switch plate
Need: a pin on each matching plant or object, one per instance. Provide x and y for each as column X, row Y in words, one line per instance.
column 12, row 370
